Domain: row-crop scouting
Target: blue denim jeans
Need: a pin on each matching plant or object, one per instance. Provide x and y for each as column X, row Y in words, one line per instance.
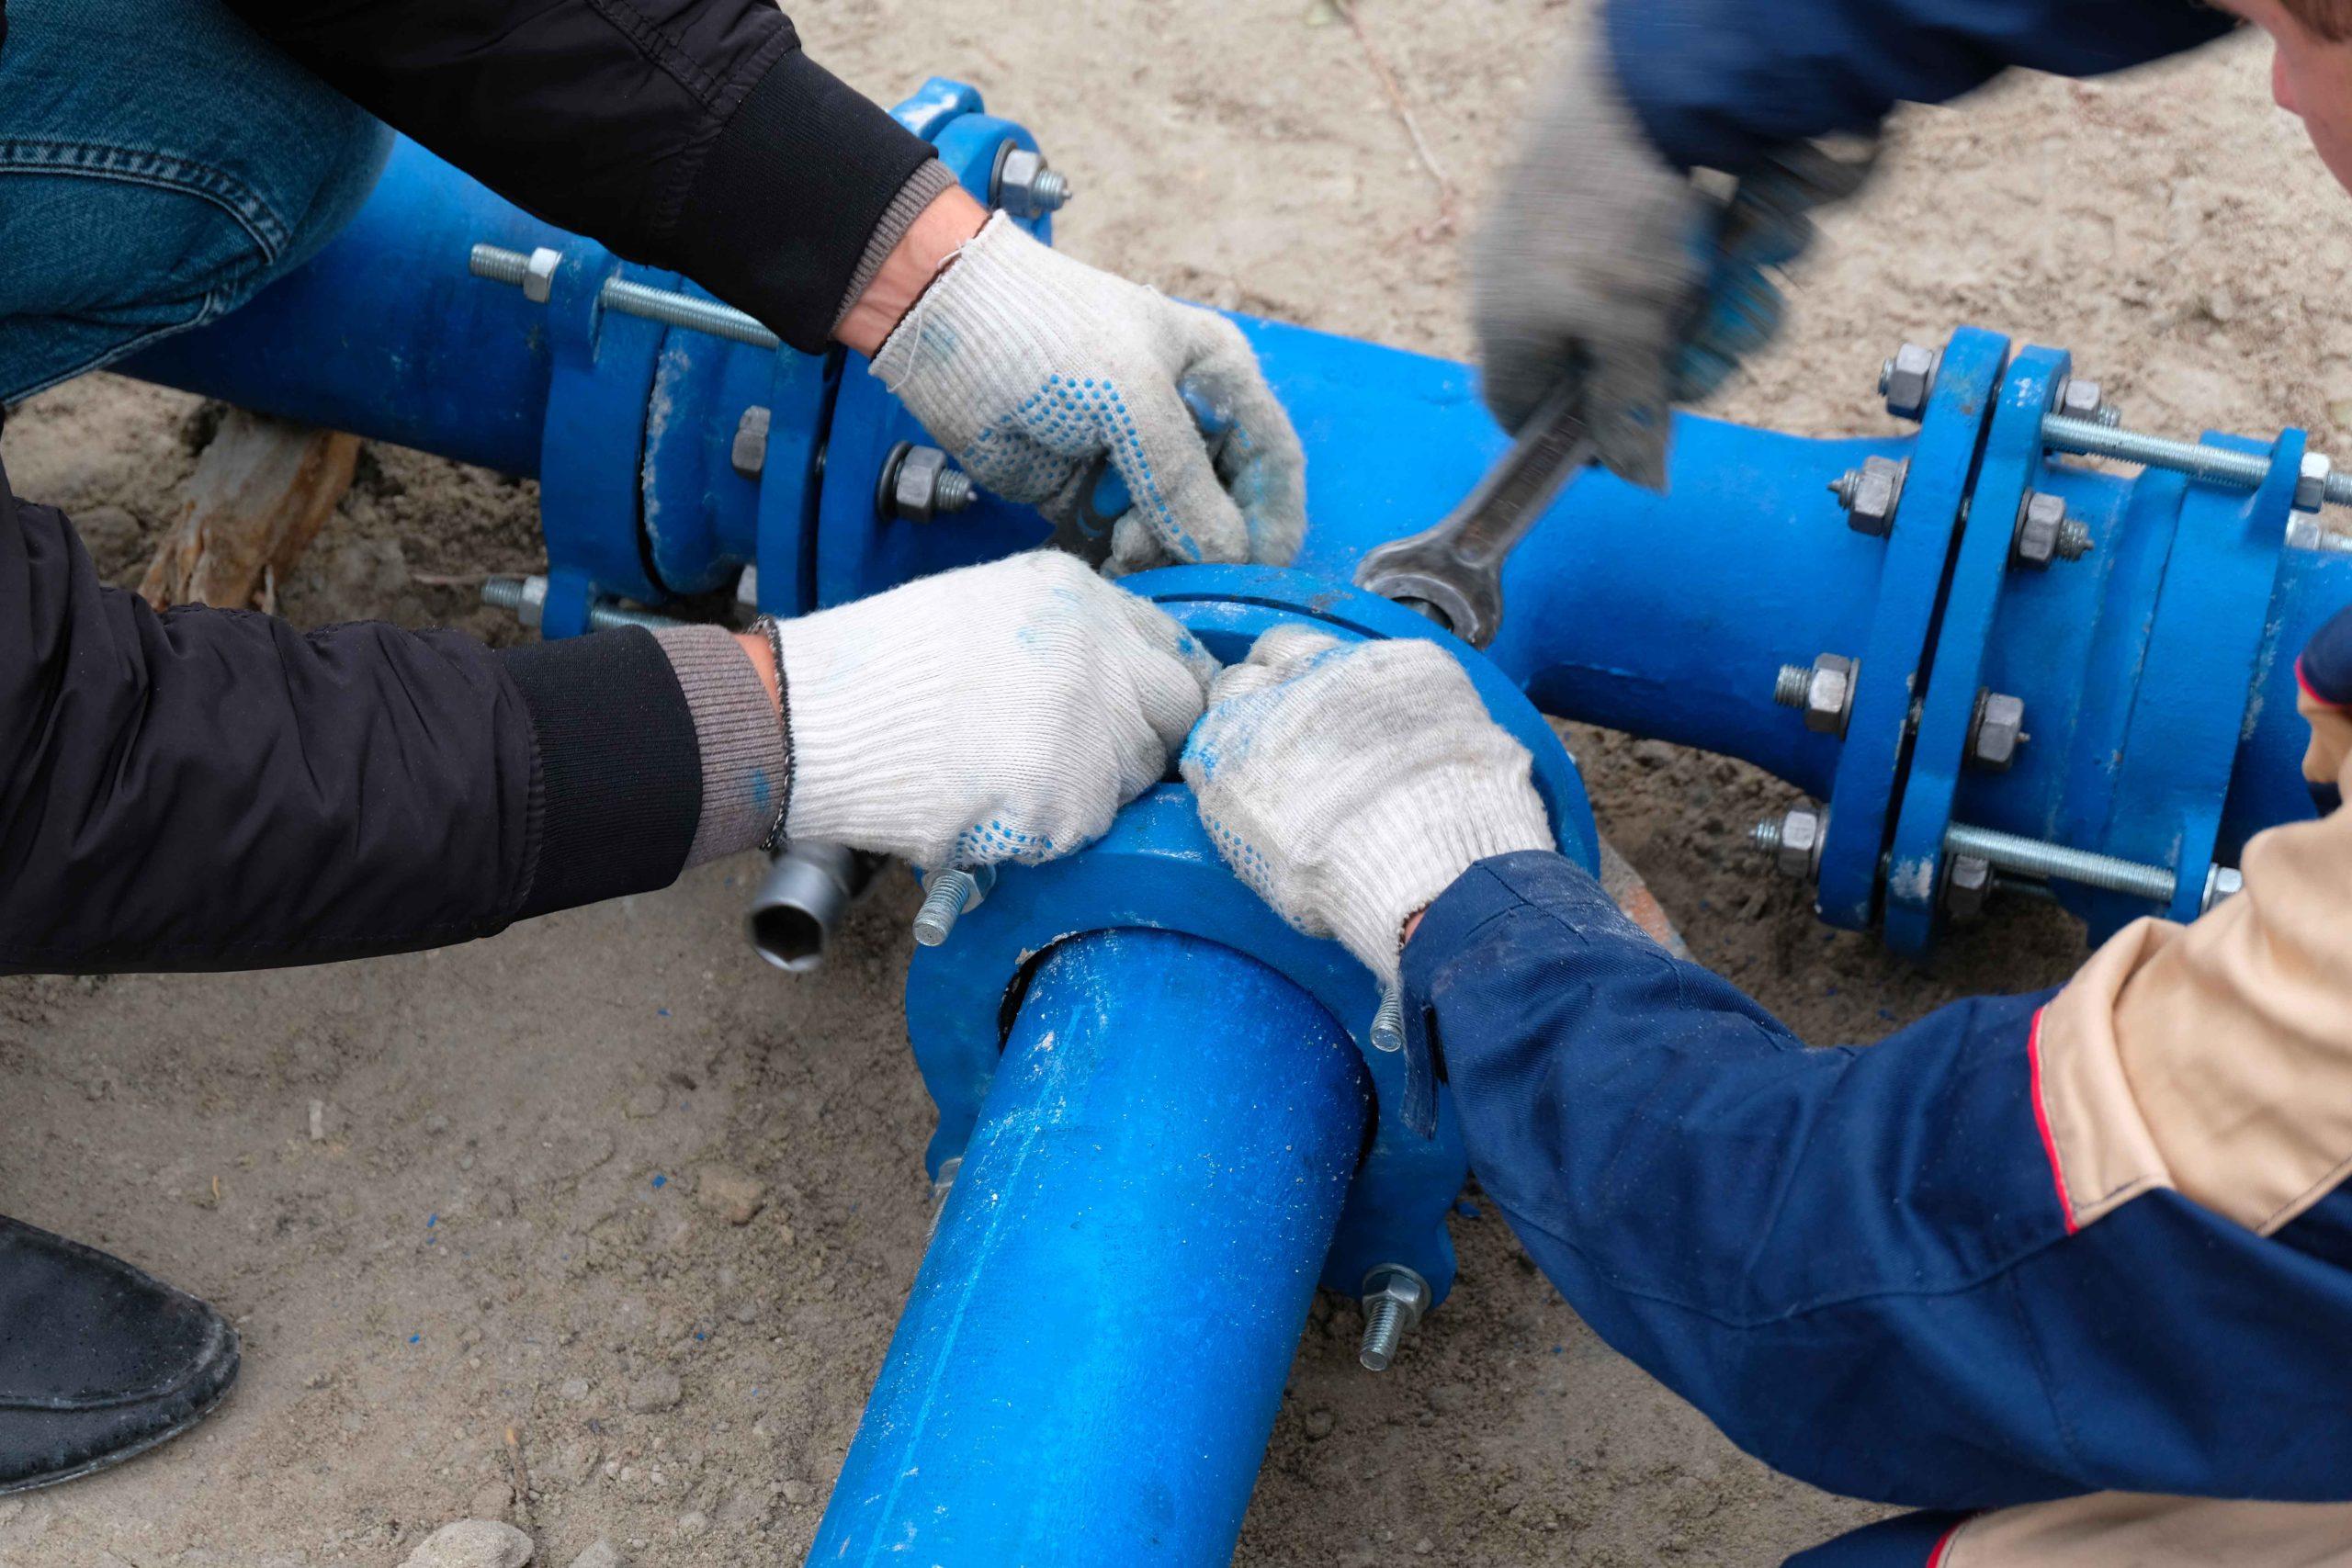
column 159, row 161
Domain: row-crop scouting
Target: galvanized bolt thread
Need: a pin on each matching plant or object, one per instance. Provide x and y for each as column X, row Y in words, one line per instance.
column 2110, row 416
column 2074, row 539
column 662, row 305
column 1766, row 835
column 2095, row 438
column 1791, row 685
column 1050, row 191
column 953, row 492
column 1384, row 1331
column 1388, row 1023
column 2033, row 857
column 604, row 615
column 944, row 901
column 1885, row 375
column 1844, row 486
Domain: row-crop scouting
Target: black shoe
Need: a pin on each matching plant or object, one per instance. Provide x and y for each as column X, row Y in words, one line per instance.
column 98, row 1363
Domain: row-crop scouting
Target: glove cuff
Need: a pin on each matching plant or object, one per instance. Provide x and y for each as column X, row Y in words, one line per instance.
column 1412, row 844
column 858, row 757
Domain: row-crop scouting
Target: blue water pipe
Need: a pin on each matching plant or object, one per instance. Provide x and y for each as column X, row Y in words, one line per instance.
column 1090, row 1361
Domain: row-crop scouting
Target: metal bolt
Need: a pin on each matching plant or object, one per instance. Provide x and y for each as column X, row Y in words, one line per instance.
column 2078, row 398
column 1788, row 686
column 1025, row 186
column 2218, row 465
column 917, row 485
column 2045, row 533
column 1869, row 494
column 749, row 453
column 528, row 597
column 1967, row 880
column 747, row 587
column 2033, row 857
column 538, row 274
column 1395, row 1298
column 2311, row 482
column 1996, row 731
column 1827, row 696
column 946, row 895
column 1388, row 1023
column 1907, row 378
column 1793, row 840
column 666, row 306
column 2221, row 882
column 2307, row 534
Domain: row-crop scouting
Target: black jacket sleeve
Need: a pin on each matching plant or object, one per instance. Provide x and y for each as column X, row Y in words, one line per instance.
column 210, row 789
column 687, row 134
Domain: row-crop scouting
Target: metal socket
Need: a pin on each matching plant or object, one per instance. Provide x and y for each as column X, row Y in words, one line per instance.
column 1870, row 494
column 1996, row 731
column 1907, row 380
column 800, row 902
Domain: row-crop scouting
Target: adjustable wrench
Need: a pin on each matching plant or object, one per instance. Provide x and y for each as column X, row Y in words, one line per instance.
column 1452, row 574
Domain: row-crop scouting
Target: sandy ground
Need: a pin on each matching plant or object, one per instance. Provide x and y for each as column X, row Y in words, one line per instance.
column 495, row 1224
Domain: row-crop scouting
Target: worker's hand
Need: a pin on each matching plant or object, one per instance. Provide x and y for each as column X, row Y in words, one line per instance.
column 1599, row 261
column 1029, row 366
column 1349, row 783
column 1000, row 713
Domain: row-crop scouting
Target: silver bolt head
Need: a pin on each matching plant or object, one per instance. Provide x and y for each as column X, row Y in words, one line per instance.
column 2221, row 882
column 2000, row 730
column 538, row 274
column 749, row 453
column 2039, row 522
column 1870, row 493
column 914, row 495
column 2078, row 398
column 1022, row 188
column 747, row 588
column 1798, row 854
column 1968, row 882
column 2311, row 482
column 1395, row 1282
column 1829, row 695
column 1907, row 378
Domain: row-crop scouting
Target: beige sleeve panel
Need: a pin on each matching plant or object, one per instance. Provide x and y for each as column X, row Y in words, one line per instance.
column 2112, row 1529
column 2331, row 747
column 2216, row 1057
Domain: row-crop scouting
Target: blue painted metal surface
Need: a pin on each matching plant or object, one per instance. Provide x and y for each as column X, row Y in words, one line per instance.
column 1092, row 1359
column 1666, row 615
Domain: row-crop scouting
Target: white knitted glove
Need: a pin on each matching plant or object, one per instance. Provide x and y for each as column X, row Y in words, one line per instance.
column 1028, row 365
column 1001, row 712
column 1349, row 783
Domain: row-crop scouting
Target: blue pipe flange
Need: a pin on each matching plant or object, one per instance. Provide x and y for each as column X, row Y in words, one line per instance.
column 2011, row 463
column 1157, row 870
column 1919, row 547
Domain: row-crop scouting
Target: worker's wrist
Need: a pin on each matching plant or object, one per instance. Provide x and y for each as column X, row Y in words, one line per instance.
column 729, row 681
column 928, row 243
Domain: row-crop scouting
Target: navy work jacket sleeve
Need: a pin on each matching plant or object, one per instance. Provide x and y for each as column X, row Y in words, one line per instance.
column 1856, row 1261
column 1717, row 83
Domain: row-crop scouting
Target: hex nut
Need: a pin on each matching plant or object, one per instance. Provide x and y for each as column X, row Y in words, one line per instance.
column 2221, row 882
column 1870, row 495
column 1968, row 882
column 749, row 455
column 2311, row 482
column 1798, row 854
column 534, row 606
column 913, row 475
column 1907, row 378
column 1996, row 732
column 2078, row 398
column 1025, row 186
column 1829, row 695
column 1395, row 1282
column 747, row 587
column 2039, row 523
column 538, row 274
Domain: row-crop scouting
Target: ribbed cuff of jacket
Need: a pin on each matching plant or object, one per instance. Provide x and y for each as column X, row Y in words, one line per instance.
column 738, row 731
column 786, row 206
column 925, row 186
column 618, row 786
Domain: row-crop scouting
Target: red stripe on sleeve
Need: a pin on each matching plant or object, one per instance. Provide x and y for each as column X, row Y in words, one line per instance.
column 1943, row 1545
column 2049, row 1142
column 2312, row 691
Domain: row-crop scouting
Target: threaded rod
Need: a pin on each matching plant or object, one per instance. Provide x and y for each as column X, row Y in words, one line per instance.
column 2090, row 438
column 1388, row 1023
column 666, row 306
column 1384, row 1330
column 944, row 902
column 2033, row 857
